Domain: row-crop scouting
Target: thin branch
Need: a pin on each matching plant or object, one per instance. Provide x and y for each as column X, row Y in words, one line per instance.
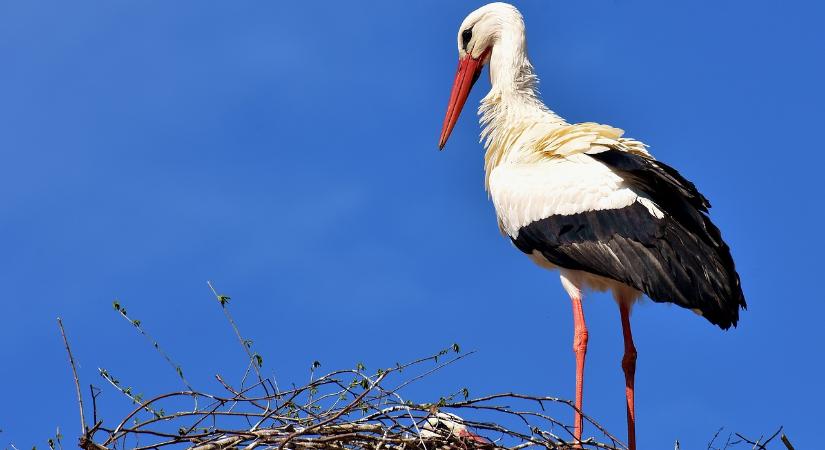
column 757, row 444
column 155, row 344
column 94, row 392
column 713, row 439
column 74, row 375
column 337, row 415
column 253, row 358
column 787, row 442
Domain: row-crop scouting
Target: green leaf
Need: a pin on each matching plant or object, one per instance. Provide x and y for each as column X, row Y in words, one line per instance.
column 259, row 360
column 466, row 393
column 364, row 383
column 136, row 323
column 116, row 305
column 179, row 371
column 360, row 367
column 456, row 348
column 316, row 364
column 223, row 299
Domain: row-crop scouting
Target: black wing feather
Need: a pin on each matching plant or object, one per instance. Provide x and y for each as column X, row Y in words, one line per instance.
column 679, row 258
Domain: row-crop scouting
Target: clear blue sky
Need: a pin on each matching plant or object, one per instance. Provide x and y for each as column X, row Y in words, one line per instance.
column 288, row 152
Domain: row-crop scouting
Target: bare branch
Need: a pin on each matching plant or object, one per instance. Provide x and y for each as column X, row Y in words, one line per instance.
column 345, row 409
column 74, row 375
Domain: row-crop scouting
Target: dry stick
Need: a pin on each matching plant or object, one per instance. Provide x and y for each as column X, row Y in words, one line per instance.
column 757, row 444
column 429, row 372
column 375, row 393
column 710, row 444
column 94, row 402
column 538, row 400
column 394, row 393
column 786, row 442
column 145, row 404
column 772, row 436
column 337, row 415
column 74, row 374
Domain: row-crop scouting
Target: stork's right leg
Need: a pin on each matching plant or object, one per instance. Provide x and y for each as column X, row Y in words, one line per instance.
column 629, row 368
column 580, row 349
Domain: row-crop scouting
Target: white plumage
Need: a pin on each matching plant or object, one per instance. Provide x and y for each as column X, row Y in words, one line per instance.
column 525, row 193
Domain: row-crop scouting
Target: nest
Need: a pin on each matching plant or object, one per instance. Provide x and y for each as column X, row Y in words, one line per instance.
column 344, row 409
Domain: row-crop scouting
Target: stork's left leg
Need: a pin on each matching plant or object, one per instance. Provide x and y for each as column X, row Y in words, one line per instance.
column 572, row 284
column 629, row 367
column 580, row 349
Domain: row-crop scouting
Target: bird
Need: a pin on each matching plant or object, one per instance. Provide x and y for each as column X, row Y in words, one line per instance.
column 582, row 199
column 443, row 424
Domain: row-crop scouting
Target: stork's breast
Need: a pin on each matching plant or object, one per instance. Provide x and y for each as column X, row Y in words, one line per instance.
column 525, row 193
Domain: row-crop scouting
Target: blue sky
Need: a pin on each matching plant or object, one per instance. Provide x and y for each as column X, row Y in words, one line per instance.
column 288, row 152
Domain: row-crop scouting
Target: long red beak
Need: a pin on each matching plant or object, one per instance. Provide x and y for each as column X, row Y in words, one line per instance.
column 469, row 69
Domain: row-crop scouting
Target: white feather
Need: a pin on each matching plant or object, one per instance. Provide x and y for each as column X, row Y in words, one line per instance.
column 525, row 193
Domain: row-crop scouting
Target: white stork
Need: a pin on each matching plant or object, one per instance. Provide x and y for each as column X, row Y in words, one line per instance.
column 582, row 199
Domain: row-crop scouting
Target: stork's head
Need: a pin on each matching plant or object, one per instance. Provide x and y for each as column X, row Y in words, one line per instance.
column 477, row 37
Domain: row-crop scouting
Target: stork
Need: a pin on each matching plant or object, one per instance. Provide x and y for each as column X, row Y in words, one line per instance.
column 583, row 200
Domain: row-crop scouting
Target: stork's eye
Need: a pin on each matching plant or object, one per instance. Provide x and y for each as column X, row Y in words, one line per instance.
column 466, row 35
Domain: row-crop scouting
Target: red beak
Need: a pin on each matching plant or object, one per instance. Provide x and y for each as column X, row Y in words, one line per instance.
column 469, row 69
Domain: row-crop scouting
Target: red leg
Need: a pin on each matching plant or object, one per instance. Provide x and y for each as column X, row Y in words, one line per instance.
column 580, row 349
column 629, row 367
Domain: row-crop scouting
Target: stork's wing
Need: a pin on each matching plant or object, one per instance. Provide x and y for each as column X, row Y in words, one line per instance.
column 638, row 221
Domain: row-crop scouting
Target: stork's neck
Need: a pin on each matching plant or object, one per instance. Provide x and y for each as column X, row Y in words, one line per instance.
column 512, row 114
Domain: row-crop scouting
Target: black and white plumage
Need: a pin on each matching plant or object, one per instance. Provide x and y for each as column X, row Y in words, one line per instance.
column 585, row 200
column 662, row 244
column 624, row 219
